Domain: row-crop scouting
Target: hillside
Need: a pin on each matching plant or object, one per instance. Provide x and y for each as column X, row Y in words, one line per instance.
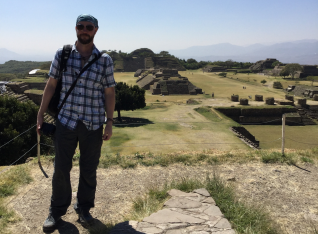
column 14, row 66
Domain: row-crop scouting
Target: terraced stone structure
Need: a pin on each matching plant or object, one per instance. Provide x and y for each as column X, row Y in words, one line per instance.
column 166, row 82
column 211, row 68
column 262, row 64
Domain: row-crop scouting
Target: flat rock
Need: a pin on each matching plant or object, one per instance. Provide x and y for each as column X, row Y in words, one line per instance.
column 209, row 200
column 223, row 223
column 202, row 191
column 152, row 230
column 178, row 193
column 176, row 231
column 225, row 232
column 213, row 211
column 168, row 216
column 182, row 202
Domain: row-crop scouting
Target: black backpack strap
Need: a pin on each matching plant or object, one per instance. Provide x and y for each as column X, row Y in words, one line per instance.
column 64, row 57
column 74, row 83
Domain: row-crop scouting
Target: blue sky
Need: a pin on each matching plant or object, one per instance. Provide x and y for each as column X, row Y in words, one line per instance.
column 35, row 26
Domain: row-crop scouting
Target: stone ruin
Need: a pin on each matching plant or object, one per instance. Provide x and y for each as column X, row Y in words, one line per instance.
column 165, row 82
column 270, row 101
column 263, row 64
column 310, row 93
column 259, row 98
column 308, row 70
column 235, row 98
column 211, row 68
column 243, row 101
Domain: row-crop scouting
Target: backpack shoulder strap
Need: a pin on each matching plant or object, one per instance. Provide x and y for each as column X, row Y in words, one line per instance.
column 64, row 57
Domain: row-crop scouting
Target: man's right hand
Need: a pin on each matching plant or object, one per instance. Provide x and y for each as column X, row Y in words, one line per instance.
column 39, row 123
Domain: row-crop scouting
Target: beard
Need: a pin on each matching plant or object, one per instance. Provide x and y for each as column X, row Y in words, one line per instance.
column 85, row 38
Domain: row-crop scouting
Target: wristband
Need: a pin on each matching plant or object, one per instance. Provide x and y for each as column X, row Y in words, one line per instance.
column 109, row 119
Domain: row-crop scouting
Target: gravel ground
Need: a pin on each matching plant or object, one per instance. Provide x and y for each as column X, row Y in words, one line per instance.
column 288, row 193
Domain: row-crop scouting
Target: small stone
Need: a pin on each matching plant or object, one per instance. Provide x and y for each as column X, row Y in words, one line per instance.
column 223, row 223
column 133, row 224
column 213, row 211
column 231, row 179
column 209, row 200
column 202, row 191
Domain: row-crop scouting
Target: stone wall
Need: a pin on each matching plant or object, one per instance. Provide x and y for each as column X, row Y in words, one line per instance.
column 246, row 135
column 36, row 98
column 132, row 65
column 255, row 115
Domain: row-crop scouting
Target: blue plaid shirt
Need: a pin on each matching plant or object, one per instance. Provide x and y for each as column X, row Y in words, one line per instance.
column 86, row 101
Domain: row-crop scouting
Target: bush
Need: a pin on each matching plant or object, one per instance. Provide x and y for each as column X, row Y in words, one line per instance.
column 277, row 85
column 223, row 74
column 17, row 117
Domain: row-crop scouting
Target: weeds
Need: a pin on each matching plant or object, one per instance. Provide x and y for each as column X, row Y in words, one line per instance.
column 9, row 182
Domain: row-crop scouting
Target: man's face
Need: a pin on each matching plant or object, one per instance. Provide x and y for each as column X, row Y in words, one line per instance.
column 85, row 36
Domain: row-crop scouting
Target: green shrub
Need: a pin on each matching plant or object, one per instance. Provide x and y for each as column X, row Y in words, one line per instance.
column 17, row 117
column 277, row 85
column 223, row 74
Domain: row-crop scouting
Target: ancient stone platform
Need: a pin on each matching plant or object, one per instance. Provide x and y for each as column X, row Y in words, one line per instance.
column 183, row 213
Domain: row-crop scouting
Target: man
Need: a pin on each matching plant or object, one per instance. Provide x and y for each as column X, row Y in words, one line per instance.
column 80, row 121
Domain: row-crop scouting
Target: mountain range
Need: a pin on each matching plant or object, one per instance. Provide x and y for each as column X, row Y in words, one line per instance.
column 302, row 51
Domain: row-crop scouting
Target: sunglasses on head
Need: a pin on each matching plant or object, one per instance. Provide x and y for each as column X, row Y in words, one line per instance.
column 89, row 27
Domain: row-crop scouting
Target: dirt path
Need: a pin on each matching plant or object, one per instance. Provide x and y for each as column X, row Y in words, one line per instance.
column 288, row 193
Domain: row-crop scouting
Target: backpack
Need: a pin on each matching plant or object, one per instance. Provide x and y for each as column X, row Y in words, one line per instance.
column 52, row 108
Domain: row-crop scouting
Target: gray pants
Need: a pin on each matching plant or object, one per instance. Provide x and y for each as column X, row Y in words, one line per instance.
column 66, row 141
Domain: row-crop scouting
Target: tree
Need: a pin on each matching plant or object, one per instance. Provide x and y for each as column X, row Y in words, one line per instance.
column 263, row 81
column 274, row 64
column 284, row 73
column 129, row 98
column 312, row 79
column 275, row 72
column 292, row 68
column 164, row 54
column 229, row 63
column 191, row 60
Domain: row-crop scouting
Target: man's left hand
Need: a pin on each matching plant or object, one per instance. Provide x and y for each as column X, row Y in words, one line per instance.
column 108, row 132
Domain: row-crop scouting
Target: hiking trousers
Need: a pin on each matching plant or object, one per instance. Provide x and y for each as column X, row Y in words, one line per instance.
column 65, row 142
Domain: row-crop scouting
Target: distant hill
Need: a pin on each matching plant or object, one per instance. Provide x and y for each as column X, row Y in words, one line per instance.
column 303, row 52
column 13, row 66
column 7, row 55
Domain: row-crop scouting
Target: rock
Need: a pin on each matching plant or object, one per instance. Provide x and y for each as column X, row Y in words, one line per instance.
column 213, row 211
column 168, row 216
column 202, row 191
column 176, row 192
column 181, row 202
column 209, row 200
column 152, row 230
column 223, row 223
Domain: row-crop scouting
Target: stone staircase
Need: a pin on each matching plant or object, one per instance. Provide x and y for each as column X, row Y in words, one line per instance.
column 305, row 116
column 24, row 98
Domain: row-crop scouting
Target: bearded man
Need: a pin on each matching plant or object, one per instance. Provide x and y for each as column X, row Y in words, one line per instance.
column 80, row 121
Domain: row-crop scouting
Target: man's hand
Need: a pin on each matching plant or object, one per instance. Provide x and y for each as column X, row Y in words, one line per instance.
column 39, row 123
column 108, row 132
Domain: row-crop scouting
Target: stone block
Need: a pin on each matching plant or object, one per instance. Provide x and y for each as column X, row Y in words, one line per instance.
column 243, row 101
column 235, row 98
column 302, row 102
column 270, row 101
column 259, row 98
column 202, row 191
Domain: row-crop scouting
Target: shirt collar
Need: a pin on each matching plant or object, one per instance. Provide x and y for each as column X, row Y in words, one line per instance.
column 95, row 51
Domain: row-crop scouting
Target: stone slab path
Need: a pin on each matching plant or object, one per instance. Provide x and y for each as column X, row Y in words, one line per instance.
column 183, row 213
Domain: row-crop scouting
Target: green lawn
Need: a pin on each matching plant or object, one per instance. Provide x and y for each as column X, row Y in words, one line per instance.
column 295, row 136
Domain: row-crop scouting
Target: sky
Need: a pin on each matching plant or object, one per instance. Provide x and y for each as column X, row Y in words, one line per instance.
column 36, row 26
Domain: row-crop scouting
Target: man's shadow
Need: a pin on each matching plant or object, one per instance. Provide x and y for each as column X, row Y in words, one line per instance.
column 124, row 228
column 67, row 228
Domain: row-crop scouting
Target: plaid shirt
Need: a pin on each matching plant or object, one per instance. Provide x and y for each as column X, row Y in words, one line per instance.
column 86, row 102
